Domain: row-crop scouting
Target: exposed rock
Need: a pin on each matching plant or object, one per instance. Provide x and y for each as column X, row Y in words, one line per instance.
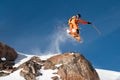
column 27, row 75
column 6, row 65
column 73, row 66
column 3, row 74
column 55, row 78
column 31, row 69
column 7, row 53
column 7, row 58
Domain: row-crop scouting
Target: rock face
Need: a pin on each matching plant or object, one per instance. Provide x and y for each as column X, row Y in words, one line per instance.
column 72, row 66
column 7, row 56
column 7, row 53
column 30, row 69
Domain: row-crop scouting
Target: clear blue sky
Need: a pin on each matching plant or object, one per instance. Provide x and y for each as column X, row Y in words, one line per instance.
column 28, row 25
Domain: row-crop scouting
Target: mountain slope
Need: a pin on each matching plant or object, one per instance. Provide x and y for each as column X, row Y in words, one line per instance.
column 103, row 74
column 108, row 75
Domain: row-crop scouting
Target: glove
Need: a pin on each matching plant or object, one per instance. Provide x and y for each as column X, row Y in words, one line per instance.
column 89, row 22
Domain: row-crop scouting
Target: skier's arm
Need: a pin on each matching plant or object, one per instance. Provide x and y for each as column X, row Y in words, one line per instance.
column 83, row 22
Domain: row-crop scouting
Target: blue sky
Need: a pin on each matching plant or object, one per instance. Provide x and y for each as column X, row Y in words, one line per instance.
column 29, row 26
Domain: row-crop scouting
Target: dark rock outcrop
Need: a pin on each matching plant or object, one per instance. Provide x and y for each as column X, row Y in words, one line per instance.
column 7, row 53
column 7, row 57
column 30, row 69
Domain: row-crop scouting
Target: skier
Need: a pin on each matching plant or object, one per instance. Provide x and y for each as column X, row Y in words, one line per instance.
column 73, row 26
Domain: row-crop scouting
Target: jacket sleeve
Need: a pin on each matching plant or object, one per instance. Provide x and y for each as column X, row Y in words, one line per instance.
column 82, row 21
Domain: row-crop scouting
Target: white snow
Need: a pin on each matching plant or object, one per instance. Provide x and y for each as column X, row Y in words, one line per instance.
column 13, row 76
column 58, row 65
column 44, row 57
column 108, row 75
column 3, row 59
column 47, row 74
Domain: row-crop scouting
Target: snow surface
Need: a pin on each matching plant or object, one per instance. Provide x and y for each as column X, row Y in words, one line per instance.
column 3, row 59
column 108, row 75
column 47, row 74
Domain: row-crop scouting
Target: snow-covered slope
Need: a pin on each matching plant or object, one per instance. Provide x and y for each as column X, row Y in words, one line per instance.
column 47, row 74
column 108, row 75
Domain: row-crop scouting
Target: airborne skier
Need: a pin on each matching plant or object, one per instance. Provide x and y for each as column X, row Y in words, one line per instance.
column 74, row 28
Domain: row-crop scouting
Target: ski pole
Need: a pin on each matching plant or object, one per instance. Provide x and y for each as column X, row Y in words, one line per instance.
column 97, row 30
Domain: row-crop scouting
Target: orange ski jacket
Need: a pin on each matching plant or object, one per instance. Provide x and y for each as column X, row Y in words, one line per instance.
column 73, row 23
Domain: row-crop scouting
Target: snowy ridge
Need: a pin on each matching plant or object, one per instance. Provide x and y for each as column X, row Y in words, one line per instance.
column 48, row 74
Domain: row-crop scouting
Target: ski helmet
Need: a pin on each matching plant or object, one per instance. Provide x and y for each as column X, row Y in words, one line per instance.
column 78, row 16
